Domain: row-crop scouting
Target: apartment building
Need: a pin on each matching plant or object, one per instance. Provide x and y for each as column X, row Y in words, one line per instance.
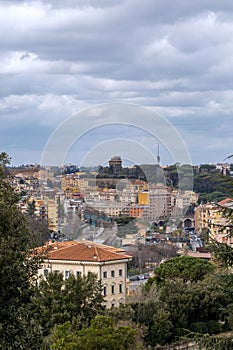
column 210, row 217
column 46, row 209
column 79, row 258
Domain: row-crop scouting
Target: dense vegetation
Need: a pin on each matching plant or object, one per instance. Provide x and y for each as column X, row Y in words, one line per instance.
column 208, row 181
column 18, row 326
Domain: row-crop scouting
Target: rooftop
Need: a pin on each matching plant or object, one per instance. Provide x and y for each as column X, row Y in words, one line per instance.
column 84, row 251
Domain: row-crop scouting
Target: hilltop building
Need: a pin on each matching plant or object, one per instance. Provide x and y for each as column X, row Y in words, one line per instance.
column 115, row 165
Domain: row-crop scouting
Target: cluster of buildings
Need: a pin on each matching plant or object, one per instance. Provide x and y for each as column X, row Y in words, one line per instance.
column 55, row 196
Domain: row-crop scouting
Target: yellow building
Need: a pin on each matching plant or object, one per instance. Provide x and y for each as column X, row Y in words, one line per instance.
column 71, row 186
column 143, row 198
column 46, row 209
column 52, row 214
column 210, row 217
column 203, row 216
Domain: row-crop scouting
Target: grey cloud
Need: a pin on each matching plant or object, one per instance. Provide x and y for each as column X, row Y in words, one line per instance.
column 61, row 56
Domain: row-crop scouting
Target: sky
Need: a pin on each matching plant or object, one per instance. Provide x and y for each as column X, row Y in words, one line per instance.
column 60, row 58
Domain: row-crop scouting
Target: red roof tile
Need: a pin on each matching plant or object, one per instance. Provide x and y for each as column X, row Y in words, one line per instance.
column 225, row 201
column 84, row 251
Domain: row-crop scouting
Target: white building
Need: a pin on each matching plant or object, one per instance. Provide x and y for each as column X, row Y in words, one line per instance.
column 79, row 258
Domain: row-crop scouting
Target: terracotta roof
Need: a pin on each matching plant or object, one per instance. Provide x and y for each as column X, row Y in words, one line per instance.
column 112, row 249
column 225, row 201
column 200, row 255
column 84, row 251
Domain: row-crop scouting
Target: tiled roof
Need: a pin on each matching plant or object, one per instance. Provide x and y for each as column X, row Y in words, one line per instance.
column 84, row 251
column 225, row 201
column 200, row 255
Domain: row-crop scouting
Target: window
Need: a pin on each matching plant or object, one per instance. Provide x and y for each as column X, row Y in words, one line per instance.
column 78, row 273
column 112, row 273
column 105, row 291
column 105, row 274
column 120, row 272
column 120, row 288
column 67, row 274
column 113, row 289
column 46, row 272
column 56, row 271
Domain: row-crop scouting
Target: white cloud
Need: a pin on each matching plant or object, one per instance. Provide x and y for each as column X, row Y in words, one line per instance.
column 57, row 57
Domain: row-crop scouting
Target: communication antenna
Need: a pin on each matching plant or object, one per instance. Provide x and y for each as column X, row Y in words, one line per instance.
column 158, row 156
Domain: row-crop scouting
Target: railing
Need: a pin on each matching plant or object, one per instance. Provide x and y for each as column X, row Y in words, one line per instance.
column 186, row 346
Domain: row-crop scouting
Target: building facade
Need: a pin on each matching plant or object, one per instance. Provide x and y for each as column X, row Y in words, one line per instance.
column 79, row 258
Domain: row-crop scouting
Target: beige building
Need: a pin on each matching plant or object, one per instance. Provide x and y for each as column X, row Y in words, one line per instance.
column 79, row 258
column 47, row 210
column 210, row 217
column 203, row 216
column 159, row 202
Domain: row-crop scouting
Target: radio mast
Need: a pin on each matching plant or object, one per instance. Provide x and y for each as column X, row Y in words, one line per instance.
column 158, row 156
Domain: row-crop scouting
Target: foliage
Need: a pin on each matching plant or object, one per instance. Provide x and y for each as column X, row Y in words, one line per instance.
column 18, row 268
column 222, row 341
column 75, row 299
column 185, row 268
column 38, row 228
column 162, row 329
column 203, row 306
column 102, row 334
column 222, row 252
column 213, row 186
column 207, row 181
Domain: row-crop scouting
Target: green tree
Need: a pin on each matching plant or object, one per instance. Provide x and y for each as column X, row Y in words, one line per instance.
column 223, row 252
column 18, row 269
column 161, row 331
column 77, row 300
column 102, row 334
column 184, row 268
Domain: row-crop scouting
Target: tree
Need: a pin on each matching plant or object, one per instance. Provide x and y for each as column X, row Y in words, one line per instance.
column 223, row 252
column 18, row 269
column 102, row 334
column 77, row 300
column 183, row 268
column 161, row 331
column 39, row 230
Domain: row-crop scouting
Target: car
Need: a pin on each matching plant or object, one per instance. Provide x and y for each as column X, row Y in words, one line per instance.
column 133, row 278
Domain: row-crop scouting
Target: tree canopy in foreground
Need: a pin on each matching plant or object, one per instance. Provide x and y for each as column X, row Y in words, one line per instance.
column 18, row 270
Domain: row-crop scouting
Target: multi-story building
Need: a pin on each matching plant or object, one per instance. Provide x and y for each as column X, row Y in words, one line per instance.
column 46, row 209
column 181, row 200
column 203, row 214
column 79, row 258
column 210, row 217
column 159, row 203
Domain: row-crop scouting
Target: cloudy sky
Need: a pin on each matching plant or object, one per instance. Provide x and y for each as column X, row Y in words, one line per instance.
column 63, row 56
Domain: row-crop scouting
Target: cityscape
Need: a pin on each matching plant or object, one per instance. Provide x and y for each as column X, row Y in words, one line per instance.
column 116, row 175
column 121, row 223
